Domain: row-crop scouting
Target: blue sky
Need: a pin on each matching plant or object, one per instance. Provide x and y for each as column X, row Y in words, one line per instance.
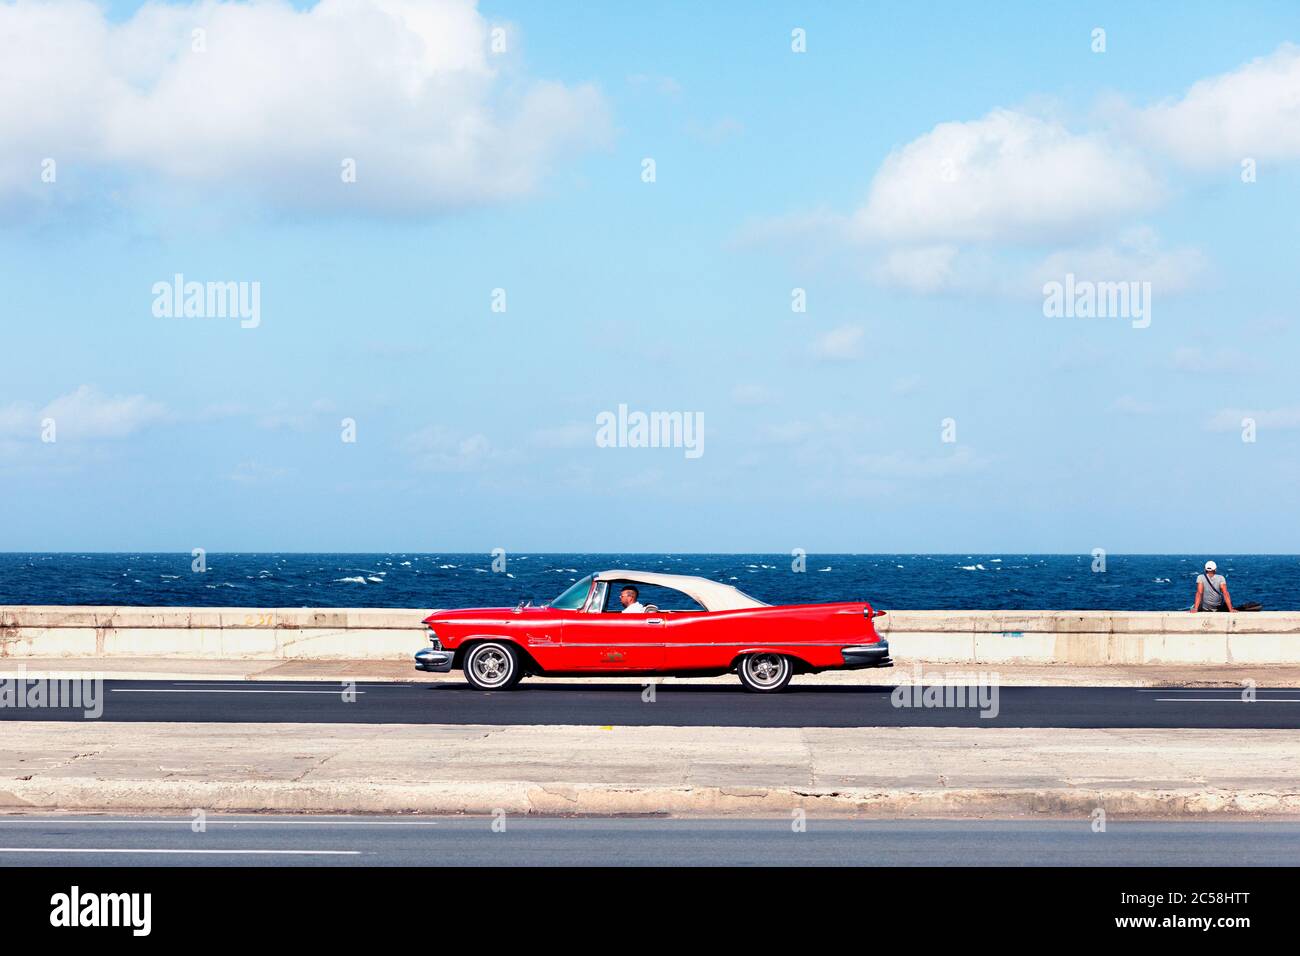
column 921, row 170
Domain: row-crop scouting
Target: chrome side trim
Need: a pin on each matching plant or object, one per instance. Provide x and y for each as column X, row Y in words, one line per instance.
column 720, row 644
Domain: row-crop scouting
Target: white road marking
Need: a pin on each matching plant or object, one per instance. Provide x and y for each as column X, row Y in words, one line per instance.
column 64, row 849
column 1234, row 689
column 1230, row 700
column 187, row 821
column 213, row 690
column 274, row 683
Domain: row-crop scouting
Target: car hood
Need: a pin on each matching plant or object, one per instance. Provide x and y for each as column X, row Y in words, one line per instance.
column 481, row 613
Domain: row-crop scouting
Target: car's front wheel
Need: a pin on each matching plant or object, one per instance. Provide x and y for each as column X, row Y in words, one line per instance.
column 492, row 665
column 765, row 673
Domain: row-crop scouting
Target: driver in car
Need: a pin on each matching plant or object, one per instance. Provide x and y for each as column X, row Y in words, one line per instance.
column 629, row 596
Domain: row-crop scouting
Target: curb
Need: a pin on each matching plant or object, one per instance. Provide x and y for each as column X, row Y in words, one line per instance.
column 559, row 799
column 1026, row 675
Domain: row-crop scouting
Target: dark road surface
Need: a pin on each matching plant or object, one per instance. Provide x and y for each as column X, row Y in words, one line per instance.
column 460, row 841
column 675, row 705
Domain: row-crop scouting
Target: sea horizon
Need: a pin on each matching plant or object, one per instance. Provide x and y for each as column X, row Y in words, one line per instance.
column 958, row 580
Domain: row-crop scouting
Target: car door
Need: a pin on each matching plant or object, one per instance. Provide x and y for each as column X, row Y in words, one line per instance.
column 601, row 640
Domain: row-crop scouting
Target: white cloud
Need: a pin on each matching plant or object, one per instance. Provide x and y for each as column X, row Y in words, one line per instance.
column 280, row 97
column 287, row 421
column 1081, row 356
column 998, row 205
column 1229, row 419
column 17, row 417
column 789, row 433
column 750, row 394
column 840, row 455
column 438, row 448
column 1136, row 255
column 288, row 417
column 841, row 344
column 666, row 85
column 88, row 413
column 1007, row 177
column 1190, row 358
column 907, row 385
column 1128, row 405
column 717, row 132
column 924, row 269
column 256, row 473
column 1253, row 111
column 901, row 464
column 571, row 435
column 801, row 227
column 84, row 413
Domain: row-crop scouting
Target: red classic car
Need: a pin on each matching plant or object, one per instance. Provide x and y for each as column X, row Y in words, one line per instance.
column 624, row 623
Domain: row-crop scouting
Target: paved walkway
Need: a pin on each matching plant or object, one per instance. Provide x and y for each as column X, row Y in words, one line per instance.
column 903, row 771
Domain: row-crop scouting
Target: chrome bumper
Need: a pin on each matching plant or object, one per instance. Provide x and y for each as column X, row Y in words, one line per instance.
column 434, row 660
column 867, row 655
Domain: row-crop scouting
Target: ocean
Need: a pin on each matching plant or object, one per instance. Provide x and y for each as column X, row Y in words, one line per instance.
column 1146, row 582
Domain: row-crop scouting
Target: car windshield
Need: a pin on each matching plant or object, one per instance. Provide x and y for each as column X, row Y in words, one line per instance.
column 575, row 597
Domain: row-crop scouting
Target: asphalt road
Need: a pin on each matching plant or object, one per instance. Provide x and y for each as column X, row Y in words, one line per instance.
column 675, row 705
column 472, row 841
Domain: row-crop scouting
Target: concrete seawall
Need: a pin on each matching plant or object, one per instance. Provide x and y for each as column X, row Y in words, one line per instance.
column 1086, row 638
column 1093, row 637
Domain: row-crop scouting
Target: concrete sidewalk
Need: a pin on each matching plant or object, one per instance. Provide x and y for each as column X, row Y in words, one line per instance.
column 887, row 772
column 1027, row 675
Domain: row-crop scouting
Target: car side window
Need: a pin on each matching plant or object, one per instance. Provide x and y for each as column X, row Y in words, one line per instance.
column 650, row 595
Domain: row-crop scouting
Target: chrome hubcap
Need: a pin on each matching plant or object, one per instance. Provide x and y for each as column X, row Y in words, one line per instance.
column 766, row 668
column 490, row 666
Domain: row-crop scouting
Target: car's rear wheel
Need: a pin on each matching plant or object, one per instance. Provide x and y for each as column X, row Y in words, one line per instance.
column 492, row 665
column 765, row 673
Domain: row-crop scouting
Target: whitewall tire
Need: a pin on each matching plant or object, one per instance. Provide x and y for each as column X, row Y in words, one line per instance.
column 765, row 673
column 492, row 665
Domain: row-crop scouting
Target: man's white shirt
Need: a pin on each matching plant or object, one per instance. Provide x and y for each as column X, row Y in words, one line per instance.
column 636, row 607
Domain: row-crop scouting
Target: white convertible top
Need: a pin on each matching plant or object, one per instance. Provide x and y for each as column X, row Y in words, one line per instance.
column 712, row 595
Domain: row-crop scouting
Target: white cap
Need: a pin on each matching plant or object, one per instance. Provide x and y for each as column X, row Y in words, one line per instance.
column 1211, row 566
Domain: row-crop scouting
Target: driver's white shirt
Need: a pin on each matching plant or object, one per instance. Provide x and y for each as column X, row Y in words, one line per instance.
column 636, row 607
